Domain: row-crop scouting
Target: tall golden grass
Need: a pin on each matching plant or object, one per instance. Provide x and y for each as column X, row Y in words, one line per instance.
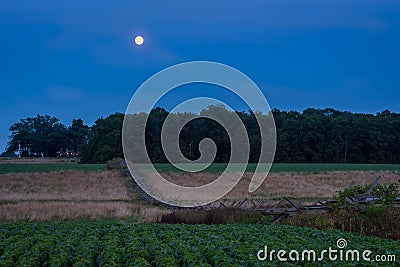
column 65, row 196
column 77, row 194
column 60, row 210
column 295, row 185
column 66, row 185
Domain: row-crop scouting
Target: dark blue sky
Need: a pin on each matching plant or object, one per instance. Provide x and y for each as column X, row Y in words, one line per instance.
column 76, row 59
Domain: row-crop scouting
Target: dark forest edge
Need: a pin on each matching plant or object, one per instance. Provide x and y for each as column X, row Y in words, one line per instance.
column 312, row 136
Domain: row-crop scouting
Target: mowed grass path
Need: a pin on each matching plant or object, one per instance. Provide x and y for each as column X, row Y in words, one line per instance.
column 216, row 167
column 30, row 168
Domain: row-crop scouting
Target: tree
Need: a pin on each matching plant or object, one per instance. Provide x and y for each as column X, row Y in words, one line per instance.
column 6, row 154
column 104, row 139
column 78, row 134
column 42, row 135
column 154, row 123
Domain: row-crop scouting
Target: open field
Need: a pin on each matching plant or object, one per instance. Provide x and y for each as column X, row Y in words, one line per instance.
column 66, row 186
column 125, row 244
column 289, row 184
column 93, row 194
column 66, row 195
column 54, row 165
column 296, row 167
column 48, row 167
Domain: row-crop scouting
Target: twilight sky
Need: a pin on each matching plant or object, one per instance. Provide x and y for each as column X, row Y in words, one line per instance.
column 76, row 59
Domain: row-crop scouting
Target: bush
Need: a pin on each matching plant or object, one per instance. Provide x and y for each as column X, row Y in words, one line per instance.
column 377, row 220
column 386, row 193
column 215, row 216
column 104, row 154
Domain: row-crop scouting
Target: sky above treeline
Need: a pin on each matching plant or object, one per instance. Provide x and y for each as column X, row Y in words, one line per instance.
column 77, row 59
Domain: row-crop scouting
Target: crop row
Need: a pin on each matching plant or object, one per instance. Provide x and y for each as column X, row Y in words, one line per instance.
column 124, row 244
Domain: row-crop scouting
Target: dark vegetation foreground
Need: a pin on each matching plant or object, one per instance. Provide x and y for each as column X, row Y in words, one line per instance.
column 376, row 221
column 113, row 243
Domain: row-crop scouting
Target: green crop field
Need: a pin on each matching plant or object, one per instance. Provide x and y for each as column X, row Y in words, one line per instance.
column 216, row 167
column 15, row 168
column 105, row 243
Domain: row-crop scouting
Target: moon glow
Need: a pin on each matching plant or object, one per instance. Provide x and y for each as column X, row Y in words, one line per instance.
column 139, row 40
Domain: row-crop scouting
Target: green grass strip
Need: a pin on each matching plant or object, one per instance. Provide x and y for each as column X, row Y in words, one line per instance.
column 30, row 168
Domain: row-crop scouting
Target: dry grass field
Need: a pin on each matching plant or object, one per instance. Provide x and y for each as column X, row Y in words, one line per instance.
column 290, row 184
column 69, row 195
column 65, row 185
column 65, row 196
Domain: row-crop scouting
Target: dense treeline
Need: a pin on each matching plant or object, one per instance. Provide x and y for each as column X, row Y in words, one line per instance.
column 331, row 136
column 314, row 136
column 45, row 136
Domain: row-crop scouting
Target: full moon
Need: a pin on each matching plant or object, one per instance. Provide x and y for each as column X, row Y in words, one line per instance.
column 139, row 40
